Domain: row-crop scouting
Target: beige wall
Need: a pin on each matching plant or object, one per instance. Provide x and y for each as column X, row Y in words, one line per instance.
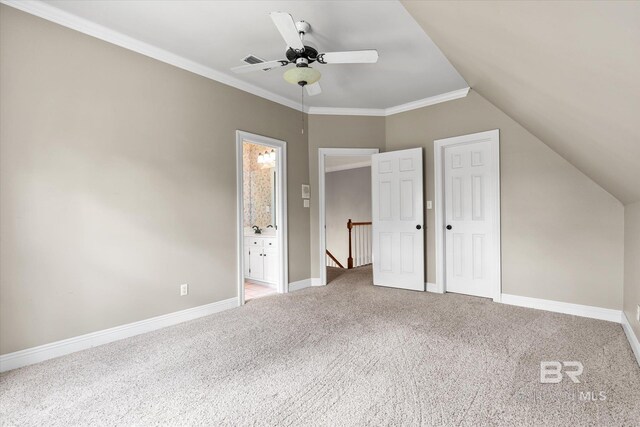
column 562, row 234
column 336, row 132
column 632, row 264
column 118, row 184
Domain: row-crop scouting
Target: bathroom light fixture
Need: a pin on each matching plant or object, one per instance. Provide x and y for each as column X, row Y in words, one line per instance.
column 267, row 157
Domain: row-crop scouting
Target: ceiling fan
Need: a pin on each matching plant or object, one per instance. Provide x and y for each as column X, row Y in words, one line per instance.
column 302, row 55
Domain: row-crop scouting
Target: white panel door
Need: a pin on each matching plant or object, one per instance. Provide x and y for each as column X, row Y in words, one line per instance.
column 469, row 218
column 397, row 217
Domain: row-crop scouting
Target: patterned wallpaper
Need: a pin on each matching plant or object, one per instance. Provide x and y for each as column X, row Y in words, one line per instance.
column 258, row 187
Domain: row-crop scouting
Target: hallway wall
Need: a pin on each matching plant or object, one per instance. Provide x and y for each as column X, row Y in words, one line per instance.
column 348, row 196
column 336, row 132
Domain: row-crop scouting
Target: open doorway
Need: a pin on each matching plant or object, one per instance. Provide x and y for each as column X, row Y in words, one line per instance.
column 345, row 210
column 262, row 251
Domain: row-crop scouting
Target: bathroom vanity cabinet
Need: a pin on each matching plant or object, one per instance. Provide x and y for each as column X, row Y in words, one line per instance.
column 261, row 258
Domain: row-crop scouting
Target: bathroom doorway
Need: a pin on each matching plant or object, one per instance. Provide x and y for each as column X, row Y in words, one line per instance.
column 262, row 267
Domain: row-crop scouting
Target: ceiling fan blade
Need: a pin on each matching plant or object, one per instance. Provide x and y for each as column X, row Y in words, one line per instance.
column 349, row 57
column 260, row 66
column 286, row 26
column 314, row 89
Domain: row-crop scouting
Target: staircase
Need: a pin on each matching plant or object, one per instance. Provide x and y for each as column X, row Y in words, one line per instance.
column 360, row 253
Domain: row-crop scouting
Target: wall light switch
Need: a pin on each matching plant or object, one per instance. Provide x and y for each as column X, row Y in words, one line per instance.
column 429, row 204
column 305, row 203
column 638, row 313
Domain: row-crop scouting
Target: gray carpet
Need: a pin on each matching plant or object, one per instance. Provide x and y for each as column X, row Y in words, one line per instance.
column 334, row 272
column 344, row 354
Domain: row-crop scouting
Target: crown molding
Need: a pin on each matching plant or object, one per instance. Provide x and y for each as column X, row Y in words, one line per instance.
column 46, row 11
column 53, row 14
column 413, row 105
column 337, row 111
column 432, row 100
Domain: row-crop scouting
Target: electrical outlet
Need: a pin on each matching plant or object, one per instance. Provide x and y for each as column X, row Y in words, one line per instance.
column 638, row 313
column 184, row 289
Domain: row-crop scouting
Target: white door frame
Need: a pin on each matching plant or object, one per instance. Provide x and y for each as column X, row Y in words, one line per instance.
column 493, row 137
column 322, row 154
column 281, row 209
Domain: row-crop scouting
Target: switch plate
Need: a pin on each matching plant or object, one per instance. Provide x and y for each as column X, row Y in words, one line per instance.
column 305, row 203
column 429, row 204
column 184, row 289
column 638, row 313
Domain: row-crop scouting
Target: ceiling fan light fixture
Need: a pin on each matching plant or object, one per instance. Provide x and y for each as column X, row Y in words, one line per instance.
column 302, row 76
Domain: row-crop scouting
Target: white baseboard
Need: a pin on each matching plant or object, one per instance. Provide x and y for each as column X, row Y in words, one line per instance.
column 563, row 307
column 300, row 284
column 44, row 352
column 633, row 340
column 315, row 281
column 431, row 287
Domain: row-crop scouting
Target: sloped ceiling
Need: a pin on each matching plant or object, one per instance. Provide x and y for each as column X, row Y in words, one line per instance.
column 215, row 36
column 569, row 72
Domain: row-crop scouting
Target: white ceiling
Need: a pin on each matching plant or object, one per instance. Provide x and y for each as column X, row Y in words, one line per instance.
column 218, row 34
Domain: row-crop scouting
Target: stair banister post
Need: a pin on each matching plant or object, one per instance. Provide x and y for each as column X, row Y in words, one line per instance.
column 350, row 259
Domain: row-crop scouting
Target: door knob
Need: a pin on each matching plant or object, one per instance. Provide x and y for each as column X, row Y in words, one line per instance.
column 418, row 226
column 449, row 227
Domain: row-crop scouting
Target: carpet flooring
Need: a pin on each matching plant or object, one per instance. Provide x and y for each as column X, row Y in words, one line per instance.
column 334, row 272
column 346, row 354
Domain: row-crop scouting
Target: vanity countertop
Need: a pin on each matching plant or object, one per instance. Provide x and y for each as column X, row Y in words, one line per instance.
column 269, row 234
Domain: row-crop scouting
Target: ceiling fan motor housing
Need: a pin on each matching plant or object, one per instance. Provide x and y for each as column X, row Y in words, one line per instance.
column 309, row 53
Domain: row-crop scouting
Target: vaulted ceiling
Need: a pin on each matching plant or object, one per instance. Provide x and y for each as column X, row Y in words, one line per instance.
column 569, row 72
column 216, row 35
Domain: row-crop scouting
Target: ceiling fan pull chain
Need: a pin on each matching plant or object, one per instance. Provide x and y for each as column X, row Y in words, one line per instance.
column 302, row 110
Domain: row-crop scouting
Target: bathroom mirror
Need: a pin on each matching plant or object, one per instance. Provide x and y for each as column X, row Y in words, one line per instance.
column 259, row 194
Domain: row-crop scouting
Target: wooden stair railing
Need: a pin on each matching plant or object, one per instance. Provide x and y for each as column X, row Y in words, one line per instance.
column 332, row 261
column 360, row 244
